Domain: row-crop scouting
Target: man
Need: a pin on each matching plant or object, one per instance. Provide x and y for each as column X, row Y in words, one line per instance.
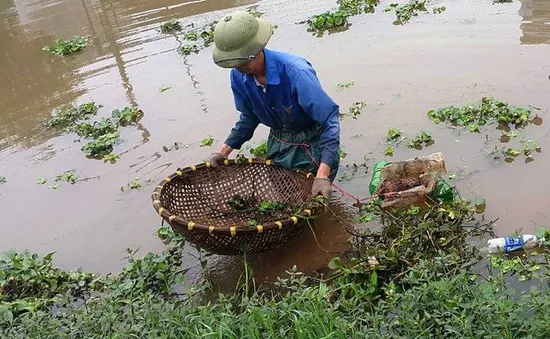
column 281, row 91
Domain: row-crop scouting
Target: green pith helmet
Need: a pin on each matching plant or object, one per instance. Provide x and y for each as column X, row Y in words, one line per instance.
column 238, row 37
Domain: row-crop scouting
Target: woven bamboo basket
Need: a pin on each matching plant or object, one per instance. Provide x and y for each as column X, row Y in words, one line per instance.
column 194, row 201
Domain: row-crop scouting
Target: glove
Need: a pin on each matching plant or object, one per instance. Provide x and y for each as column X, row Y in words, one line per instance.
column 216, row 159
column 322, row 186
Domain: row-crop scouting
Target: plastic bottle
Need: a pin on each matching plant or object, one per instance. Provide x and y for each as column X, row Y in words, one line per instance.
column 511, row 244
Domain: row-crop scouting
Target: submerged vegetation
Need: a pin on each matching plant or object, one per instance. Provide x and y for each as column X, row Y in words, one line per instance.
column 66, row 47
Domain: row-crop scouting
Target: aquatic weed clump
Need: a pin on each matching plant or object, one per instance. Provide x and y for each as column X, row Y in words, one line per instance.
column 66, row 47
column 197, row 39
column 404, row 12
column 474, row 116
column 334, row 19
column 103, row 135
column 71, row 114
column 432, row 235
column 171, row 26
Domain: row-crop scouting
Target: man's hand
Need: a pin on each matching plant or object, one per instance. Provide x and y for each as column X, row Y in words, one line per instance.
column 322, row 186
column 216, row 159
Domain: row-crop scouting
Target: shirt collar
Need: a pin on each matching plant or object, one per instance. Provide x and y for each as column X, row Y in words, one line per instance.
column 271, row 69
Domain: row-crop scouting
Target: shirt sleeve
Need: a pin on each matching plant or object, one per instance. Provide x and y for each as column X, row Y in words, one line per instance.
column 322, row 109
column 247, row 123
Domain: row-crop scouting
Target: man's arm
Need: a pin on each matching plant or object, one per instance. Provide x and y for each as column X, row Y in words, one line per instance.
column 321, row 108
column 244, row 128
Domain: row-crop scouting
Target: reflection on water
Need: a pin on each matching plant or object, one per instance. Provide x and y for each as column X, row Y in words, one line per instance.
column 30, row 87
column 34, row 83
column 536, row 21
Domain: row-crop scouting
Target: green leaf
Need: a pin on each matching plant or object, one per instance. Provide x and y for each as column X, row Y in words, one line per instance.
column 66, row 47
column 70, row 115
column 541, row 231
column 171, row 26
column 69, row 176
column 374, row 279
column 511, row 134
column 473, row 116
column 6, row 316
column 49, row 256
column 393, row 134
column 510, row 152
column 208, row 141
column 342, row 154
column 344, row 84
column 335, row 263
column 260, row 150
column 479, row 200
column 126, row 116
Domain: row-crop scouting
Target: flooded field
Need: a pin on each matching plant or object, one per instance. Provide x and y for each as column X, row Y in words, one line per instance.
column 473, row 49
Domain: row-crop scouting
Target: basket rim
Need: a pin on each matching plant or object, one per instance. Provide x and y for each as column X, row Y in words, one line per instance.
column 233, row 230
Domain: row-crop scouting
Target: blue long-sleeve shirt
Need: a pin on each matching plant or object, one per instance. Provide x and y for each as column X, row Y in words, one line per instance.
column 293, row 100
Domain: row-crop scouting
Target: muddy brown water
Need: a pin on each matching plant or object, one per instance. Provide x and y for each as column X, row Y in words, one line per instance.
column 471, row 50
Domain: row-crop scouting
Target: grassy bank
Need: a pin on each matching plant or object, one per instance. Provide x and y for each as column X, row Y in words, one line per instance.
column 414, row 279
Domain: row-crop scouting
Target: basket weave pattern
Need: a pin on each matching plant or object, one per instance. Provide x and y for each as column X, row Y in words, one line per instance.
column 194, row 202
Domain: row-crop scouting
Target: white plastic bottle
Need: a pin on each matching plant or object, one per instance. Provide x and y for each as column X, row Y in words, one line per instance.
column 511, row 244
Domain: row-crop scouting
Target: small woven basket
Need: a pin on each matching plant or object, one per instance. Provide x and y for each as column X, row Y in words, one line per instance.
column 194, row 201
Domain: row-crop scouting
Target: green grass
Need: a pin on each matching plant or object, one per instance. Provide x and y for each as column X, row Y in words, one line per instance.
column 413, row 279
column 453, row 307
